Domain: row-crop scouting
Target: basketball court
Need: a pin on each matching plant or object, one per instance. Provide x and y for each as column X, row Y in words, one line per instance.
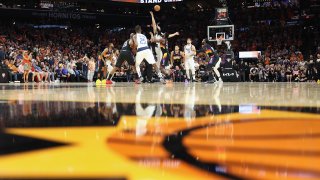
column 159, row 90
column 155, row 131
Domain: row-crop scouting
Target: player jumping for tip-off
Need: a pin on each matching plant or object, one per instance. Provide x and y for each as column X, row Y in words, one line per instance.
column 161, row 49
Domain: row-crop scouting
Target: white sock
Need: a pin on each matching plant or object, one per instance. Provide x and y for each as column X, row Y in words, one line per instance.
column 193, row 71
column 138, row 71
column 188, row 73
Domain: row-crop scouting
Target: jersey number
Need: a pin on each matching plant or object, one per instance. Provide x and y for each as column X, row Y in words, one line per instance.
column 143, row 41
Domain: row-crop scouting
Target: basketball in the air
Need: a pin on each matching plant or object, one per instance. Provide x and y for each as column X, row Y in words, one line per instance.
column 157, row 8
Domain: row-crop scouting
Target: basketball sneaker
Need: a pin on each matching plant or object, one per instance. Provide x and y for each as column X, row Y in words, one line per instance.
column 163, row 81
column 109, row 82
column 196, row 80
column 98, row 82
column 139, row 80
column 211, row 81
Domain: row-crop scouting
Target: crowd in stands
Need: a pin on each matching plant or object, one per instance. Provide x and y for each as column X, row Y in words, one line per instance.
column 290, row 52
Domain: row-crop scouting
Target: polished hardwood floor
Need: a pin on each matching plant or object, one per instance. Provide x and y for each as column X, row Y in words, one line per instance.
column 155, row 131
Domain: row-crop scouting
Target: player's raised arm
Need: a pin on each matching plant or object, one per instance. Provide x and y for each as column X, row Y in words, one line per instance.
column 173, row 35
column 154, row 24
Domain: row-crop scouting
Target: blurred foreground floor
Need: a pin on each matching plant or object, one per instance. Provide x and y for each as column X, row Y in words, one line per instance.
column 154, row 131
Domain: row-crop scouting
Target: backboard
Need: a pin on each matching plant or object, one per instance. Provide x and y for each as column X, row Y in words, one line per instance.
column 225, row 32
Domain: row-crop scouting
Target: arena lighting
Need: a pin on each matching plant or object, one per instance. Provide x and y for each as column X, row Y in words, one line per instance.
column 50, row 26
column 249, row 54
column 148, row 1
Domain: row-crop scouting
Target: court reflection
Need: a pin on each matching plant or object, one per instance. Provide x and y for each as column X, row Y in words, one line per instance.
column 203, row 131
column 262, row 94
column 103, row 109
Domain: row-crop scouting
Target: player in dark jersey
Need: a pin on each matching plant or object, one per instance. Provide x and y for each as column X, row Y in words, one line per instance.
column 126, row 54
column 213, row 61
column 164, row 45
column 107, row 56
column 177, row 58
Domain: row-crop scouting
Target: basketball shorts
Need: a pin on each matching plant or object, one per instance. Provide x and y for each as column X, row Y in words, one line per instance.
column 189, row 64
column 145, row 55
column 125, row 56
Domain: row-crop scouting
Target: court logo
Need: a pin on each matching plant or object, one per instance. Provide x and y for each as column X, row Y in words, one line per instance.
column 231, row 146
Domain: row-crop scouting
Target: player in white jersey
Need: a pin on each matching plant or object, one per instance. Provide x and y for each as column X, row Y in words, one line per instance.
column 144, row 53
column 189, row 53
